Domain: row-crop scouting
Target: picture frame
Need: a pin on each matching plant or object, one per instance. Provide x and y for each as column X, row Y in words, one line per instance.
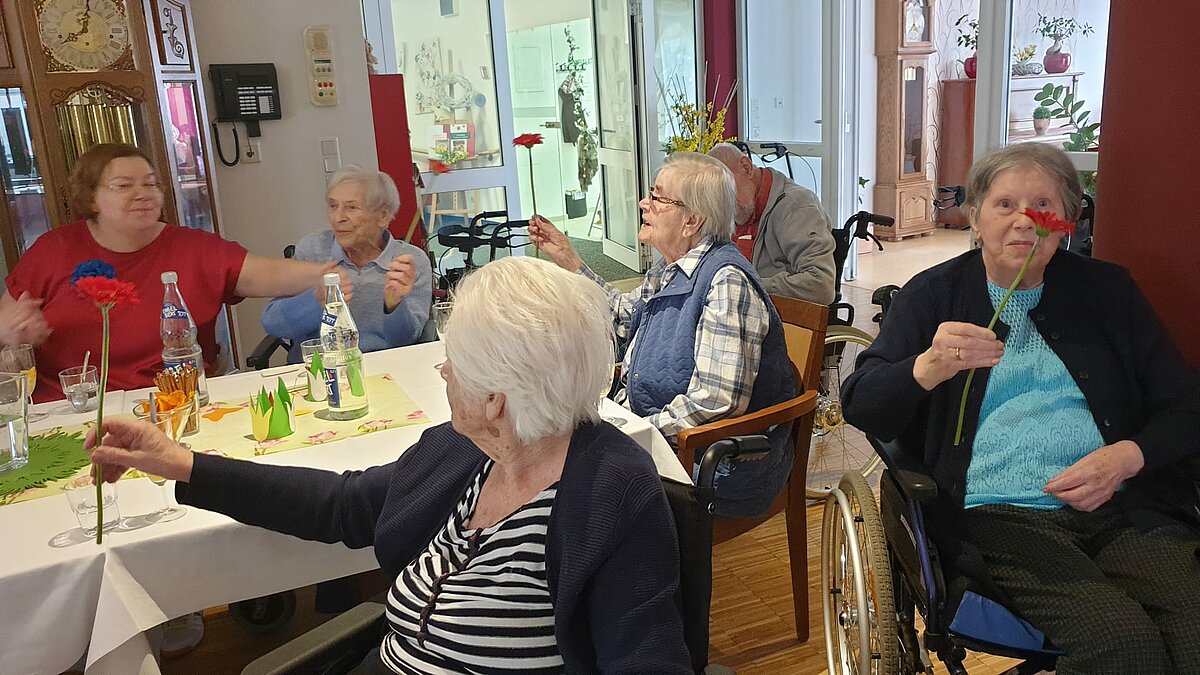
column 448, row 7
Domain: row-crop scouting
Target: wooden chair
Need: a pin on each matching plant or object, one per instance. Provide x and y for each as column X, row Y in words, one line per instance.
column 804, row 326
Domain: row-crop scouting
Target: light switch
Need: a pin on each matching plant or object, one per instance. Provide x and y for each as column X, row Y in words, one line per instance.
column 332, row 164
column 329, row 147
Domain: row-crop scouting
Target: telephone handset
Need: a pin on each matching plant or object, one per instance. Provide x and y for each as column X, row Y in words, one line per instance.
column 322, row 84
column 244, row 92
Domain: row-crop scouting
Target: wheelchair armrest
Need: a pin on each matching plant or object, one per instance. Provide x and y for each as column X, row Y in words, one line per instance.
column 755, row 446
column 912, row 475
column 336, row 641
column 690, row 440
column 260, row 358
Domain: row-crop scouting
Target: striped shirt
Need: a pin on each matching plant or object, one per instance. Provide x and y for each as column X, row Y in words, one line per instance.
column 728, row 347
column 477, row 600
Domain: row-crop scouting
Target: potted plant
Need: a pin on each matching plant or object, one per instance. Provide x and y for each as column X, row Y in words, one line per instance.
column 1058, row 29
column 968, row 37
column 1041, row 120
column 1023, row 63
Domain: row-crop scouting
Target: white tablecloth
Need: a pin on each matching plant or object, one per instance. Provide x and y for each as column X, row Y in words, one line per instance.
column 57, row 602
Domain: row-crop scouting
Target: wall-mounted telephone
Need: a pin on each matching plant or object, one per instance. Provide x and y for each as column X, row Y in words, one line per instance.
column 322, row 85
column 244, row 92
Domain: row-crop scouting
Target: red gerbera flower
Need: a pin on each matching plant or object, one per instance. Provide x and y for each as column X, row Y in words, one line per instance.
column 528, row 140
column 1048, row 221
column 438, row 166
column 104, row 291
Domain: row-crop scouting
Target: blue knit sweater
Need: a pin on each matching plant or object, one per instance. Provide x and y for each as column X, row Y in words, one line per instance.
column 1034, row 421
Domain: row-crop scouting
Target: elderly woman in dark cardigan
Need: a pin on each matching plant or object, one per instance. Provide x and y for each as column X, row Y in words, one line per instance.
column 525, row 517
column 1067, row 488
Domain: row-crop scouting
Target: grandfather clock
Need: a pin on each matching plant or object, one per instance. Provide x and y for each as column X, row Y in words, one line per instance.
column 74, row 73
column 903, row 43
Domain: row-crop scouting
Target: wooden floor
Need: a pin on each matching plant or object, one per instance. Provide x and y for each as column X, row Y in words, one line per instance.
column 752, row 627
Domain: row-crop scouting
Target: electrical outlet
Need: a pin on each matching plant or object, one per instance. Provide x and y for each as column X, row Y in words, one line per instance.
column 778, row 101
column 253, row 153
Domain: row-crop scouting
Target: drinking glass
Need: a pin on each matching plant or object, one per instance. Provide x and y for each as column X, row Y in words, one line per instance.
column 316, row 385
column 80, row 387
column 171, row 422
column 14, row 411
column 19, row 359
column 441, row 314
column 81, row 495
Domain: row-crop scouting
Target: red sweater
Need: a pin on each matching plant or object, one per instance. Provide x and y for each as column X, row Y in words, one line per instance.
column 208, row 268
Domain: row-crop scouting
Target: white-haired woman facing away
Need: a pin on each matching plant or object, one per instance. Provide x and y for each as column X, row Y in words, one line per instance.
column 525, row 516
column 392, row 279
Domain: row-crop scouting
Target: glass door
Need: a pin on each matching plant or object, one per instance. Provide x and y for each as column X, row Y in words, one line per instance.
column 618, row 95
column 797, row 81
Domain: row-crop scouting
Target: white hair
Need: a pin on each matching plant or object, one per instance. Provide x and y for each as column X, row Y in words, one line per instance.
column 540, row 335
column 726, row 153
column 379, row 190
column 706, row 186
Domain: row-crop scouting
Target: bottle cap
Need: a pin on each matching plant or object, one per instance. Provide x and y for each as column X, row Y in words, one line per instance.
column 333, row 278
column 169, row 277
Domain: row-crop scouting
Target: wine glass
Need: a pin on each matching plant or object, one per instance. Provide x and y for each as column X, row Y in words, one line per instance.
column 171, row 422
column 441, row 314
column 19, row 359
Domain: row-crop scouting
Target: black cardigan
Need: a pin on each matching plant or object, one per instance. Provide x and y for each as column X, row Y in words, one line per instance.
column 611, row 553
column 1092, row 315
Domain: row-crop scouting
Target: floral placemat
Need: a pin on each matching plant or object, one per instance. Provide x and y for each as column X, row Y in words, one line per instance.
column 57, row 455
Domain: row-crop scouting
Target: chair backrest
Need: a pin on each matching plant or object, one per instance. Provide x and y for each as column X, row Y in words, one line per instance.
column 804, row 326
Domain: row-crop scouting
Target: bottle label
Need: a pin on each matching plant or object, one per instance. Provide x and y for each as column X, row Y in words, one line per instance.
column 332, row 390
column 171, row 311
column 328, row 319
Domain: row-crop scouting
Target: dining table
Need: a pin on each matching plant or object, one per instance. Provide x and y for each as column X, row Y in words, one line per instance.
column 58, row 602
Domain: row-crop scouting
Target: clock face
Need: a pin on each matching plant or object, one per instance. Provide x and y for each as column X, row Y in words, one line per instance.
column 914, row 21
column 83, row 35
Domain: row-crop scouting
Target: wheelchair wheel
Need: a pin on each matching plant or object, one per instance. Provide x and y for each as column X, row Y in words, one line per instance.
column 836, row 447
column 861, row 635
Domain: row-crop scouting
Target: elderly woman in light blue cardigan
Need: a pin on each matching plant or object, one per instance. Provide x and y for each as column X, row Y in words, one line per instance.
column 392, row 280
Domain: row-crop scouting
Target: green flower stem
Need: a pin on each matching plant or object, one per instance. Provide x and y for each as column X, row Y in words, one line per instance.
column 533, row 193
column 97, row 471
column 962, row 405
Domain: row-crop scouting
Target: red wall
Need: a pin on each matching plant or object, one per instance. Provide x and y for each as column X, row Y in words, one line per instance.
column 394, row 153
column 1148, row 215
column 720, row 54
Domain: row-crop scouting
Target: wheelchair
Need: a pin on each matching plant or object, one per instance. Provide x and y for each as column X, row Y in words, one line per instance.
column 831, row 453
column 880, row 570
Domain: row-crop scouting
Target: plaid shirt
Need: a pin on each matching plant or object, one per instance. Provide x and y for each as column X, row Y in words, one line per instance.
column 728, row 347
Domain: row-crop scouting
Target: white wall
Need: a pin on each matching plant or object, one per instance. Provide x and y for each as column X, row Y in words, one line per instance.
column 269, row 205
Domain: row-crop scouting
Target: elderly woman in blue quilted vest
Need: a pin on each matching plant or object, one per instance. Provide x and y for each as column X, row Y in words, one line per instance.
column 704, row 341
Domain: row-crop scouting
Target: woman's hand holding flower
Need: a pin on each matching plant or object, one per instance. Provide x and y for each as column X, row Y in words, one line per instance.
column 399, row 281
column 956, row 347
column 1089, row 483
column 138, row 445
column 550, row 240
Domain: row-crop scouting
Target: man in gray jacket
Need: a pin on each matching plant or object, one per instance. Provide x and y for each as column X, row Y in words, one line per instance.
column 790, row 236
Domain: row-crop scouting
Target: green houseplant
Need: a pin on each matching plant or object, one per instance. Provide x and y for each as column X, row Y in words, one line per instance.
column 1063, row 104
column 1058, row 28
column 1041, row 119
column 968, row 37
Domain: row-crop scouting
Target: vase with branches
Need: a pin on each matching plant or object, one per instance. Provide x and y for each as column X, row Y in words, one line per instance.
column 694, row 128
column 1058, row 28
column 968, row 38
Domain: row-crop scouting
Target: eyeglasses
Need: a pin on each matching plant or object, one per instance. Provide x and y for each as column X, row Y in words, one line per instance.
column 655, row 197
column 123, row 187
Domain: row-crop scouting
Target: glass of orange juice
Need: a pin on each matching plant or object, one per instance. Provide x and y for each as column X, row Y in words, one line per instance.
column 19, row 359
